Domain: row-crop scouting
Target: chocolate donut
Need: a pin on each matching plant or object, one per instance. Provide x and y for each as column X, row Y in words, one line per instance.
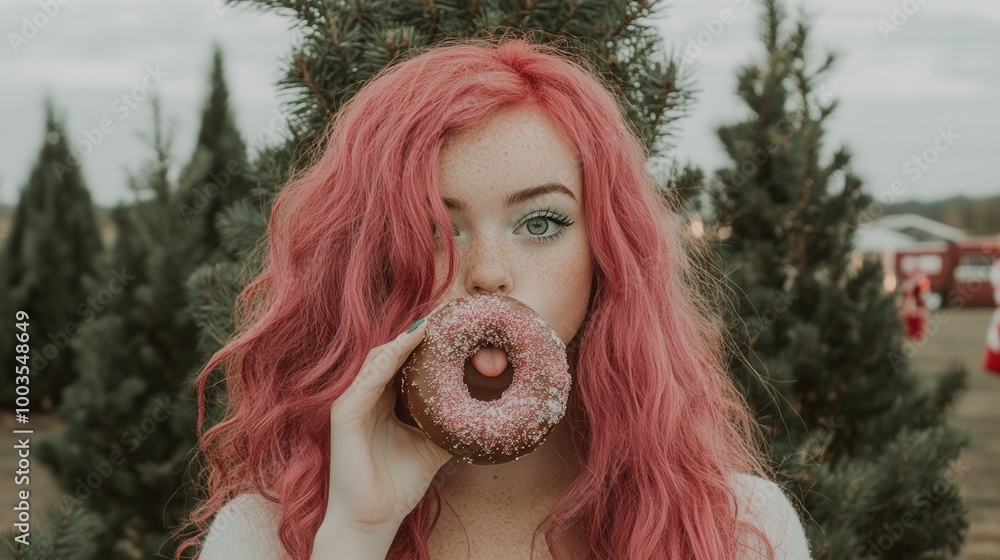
column 432, row 393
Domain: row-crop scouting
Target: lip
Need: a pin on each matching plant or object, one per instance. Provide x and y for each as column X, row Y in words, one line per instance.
column 487, row 388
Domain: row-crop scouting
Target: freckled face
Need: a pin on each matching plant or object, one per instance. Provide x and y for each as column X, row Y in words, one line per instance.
column 513, row 189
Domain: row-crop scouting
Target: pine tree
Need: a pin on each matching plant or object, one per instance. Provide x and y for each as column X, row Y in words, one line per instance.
column 48, row 255
column 217, row 173
column 864, row 448
column 130, row 417
column 341, row 45
column 131, row 404
column 65, row 532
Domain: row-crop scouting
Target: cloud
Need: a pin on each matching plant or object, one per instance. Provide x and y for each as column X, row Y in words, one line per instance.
column 915, row 75
column 91, row 53
column 938, row 69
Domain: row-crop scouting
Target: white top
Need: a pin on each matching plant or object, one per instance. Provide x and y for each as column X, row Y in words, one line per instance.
column 246, row 528
column 775, row 515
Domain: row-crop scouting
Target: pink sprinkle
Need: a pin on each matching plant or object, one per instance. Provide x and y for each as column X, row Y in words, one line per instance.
column 537, row 397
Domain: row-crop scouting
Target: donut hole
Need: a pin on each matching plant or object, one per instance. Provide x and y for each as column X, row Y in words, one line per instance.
column 486, row 388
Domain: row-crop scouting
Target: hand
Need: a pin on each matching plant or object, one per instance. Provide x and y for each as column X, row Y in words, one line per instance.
column 380, row 467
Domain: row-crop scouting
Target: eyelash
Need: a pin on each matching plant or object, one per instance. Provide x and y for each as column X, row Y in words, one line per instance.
column 548, row 213
column 551, row 215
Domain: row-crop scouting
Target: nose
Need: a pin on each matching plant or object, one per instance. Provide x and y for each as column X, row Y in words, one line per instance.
column 485, row 264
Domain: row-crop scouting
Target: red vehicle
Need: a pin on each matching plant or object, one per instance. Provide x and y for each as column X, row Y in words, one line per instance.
column 972, row 271
column 959, row 272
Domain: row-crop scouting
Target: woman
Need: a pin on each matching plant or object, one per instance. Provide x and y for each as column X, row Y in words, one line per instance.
column 521, row 152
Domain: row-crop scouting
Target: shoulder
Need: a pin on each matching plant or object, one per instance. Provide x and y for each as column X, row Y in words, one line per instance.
column 763, row 503
column 246, row 527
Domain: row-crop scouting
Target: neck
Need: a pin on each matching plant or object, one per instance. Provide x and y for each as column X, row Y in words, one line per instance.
column 543, row 475
column 550, row 466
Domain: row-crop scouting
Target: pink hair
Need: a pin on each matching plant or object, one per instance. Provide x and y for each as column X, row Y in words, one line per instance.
column 658, row 421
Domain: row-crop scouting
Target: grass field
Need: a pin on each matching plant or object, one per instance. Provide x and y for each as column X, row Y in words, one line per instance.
column 959, row 338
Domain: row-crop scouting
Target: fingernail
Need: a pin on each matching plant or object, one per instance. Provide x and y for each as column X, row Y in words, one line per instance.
column 415, row 325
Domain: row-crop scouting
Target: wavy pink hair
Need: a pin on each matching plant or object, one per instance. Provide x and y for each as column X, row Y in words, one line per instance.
column 350, row 263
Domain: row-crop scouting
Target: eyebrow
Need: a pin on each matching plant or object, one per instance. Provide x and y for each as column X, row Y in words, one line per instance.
column 517, row 197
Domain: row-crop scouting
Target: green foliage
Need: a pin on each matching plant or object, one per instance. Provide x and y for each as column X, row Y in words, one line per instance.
column 131, row 415
column 218, row 172
column 129, row 418
column 975, row 216
column 341, row 45
column 852, row 433
column 854, row 436
column 48, row 257
column 65, row 532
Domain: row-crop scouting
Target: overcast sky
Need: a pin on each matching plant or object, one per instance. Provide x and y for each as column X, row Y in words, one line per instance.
column 916, row 78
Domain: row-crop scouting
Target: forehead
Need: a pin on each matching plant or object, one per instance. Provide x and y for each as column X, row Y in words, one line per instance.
column 515, row 149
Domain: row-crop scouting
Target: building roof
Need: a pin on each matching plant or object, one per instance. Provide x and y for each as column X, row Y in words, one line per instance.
column 921, row 228
column 873, row 238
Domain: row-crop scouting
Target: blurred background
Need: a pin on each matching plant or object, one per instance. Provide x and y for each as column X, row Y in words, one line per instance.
column 836, row 158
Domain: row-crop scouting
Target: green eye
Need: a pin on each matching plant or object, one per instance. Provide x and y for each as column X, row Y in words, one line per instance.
column 543, row 226
column 538, row 223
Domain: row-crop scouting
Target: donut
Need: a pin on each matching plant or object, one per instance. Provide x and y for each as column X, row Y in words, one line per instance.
column 432, row 393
